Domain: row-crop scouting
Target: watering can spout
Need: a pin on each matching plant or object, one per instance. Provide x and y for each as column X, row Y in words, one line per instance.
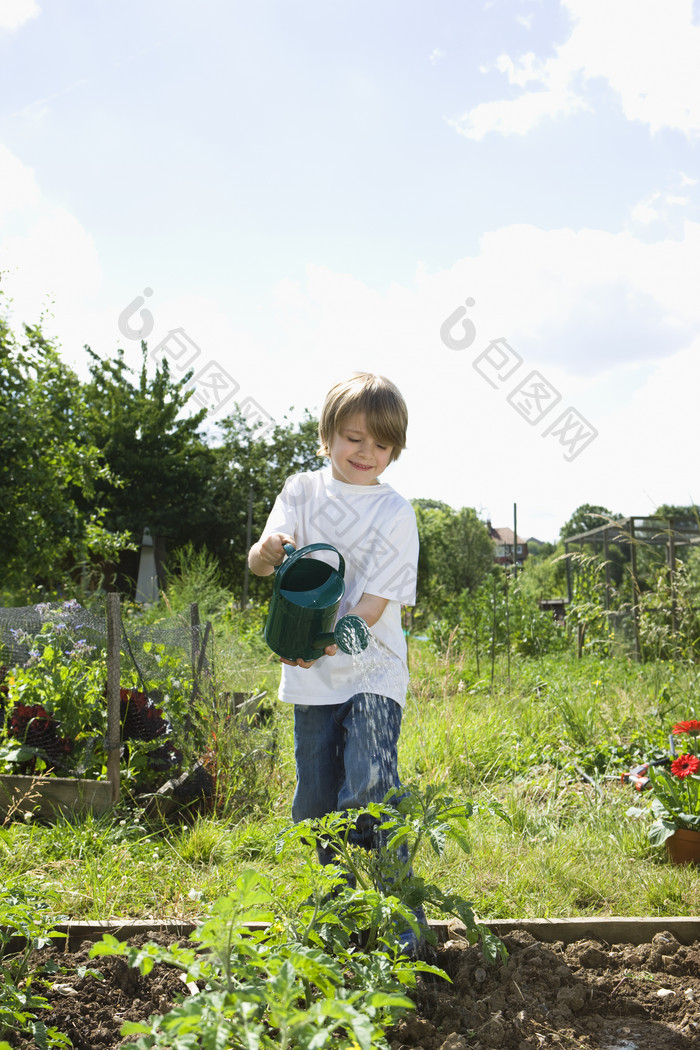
column 351, row 634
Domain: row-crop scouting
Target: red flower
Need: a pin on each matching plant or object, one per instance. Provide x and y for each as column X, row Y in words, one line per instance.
column 140, row 718
column 23, row 715
column 36, row 728
column 685, row 765
column 692, row 727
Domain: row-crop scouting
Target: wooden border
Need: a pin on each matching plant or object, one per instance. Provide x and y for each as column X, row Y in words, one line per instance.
column 46, row 796
column 611, row 929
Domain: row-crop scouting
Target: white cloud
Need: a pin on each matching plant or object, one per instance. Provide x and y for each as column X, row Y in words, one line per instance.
column 45, row 253
column 647, row 52
column 14, row 13
column 436, row 54
column 581, row 302
column 645, row 211
column 661, row 206
column 516, row 116
column 585, row 299
column 18, row 183
column 609, row 321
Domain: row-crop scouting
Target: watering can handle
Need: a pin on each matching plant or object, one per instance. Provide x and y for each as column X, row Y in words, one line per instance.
column 293, row 555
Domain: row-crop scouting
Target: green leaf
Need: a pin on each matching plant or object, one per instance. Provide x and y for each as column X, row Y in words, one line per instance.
column 390, row 1000
column 661, row 830
column 135, row 1028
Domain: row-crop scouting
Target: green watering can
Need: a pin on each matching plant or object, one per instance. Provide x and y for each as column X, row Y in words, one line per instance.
column 304, row 605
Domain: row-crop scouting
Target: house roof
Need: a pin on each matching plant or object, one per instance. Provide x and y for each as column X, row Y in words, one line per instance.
column 505, row 536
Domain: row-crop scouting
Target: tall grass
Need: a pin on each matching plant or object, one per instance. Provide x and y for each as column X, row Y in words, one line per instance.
column 543, row 741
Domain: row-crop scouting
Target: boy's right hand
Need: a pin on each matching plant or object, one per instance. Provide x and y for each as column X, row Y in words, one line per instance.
column 267, row 554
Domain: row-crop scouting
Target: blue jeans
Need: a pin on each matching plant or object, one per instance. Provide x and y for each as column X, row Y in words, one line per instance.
column 346, row 757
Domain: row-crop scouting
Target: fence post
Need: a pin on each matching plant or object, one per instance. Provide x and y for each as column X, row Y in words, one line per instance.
column 113, row 665
column 636, row 593
column 194, row 633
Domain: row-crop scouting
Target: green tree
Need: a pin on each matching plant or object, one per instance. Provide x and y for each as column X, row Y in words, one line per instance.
column 686, row 522
column 456, row 553
column 251, row 467
column 544, row 577
column 160, row 468
column 586, row 517
column 590, row 516
column 49, row 474
column 685, row 516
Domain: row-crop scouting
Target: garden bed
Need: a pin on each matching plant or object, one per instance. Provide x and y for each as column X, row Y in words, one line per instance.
column 587, row 993
column 47, row 796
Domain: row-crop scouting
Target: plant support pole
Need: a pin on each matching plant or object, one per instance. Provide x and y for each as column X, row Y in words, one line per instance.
column 113, row 665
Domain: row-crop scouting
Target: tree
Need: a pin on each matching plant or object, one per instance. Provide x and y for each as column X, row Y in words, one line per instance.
column 160, row 467
column 683, row 515
column 456, row 553
column 250, row 470
column 49, row 473
column 586, row 517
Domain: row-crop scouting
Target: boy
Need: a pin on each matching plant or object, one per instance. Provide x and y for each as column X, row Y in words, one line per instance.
column 346, row 733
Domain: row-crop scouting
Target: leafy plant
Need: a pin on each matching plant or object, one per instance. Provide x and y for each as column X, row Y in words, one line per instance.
column 23, row 919
column 260, row 988
column 669, row 625
column 290, row 969
column 676, row 790
column 398, row 828
column 57, row 698
column 57, row 711
column 587, row 610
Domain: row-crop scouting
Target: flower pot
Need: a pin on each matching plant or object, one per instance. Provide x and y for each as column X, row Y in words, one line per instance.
column 684, row 846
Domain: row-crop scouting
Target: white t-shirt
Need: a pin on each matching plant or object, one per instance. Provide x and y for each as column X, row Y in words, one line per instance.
column 374, row 528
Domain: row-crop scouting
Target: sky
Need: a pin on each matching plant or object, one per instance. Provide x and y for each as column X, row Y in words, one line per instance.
column 495, row 204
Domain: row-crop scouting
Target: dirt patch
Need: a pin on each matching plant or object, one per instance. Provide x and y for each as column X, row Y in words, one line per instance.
column 588, row 995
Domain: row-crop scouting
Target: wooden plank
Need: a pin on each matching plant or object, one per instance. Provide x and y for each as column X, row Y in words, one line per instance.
column 113, row 703
column 611, row 929
column 46, row 796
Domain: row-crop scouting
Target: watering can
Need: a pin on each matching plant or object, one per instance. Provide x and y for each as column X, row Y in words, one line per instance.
column 304, row 604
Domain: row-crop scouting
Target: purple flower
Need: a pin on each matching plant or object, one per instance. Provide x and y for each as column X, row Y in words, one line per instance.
column 80, row 650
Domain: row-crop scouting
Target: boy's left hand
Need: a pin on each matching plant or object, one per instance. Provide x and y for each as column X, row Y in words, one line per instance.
column 330, row 650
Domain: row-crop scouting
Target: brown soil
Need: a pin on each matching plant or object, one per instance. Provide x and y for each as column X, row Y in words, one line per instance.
column 588, row 995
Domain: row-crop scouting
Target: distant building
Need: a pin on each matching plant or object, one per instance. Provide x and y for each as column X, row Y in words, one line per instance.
column 503, row 540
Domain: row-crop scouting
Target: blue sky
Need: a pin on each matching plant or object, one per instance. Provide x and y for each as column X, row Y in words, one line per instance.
column 307, row 189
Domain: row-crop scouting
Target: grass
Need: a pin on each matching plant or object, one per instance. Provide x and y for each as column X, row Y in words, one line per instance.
column 545, row 739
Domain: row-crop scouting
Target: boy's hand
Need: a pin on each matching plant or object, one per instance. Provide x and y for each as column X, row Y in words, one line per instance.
column 267, row 554
column 330, row 650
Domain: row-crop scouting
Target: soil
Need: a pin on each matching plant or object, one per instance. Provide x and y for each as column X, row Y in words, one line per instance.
column 588, row 995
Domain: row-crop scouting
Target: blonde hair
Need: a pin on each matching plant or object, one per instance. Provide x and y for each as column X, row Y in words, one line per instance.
column 377, row 399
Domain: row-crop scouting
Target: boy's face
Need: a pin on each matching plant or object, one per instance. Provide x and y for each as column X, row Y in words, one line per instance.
column 356, row 458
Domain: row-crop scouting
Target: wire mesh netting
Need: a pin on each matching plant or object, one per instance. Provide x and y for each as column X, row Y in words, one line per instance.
column 53, row 678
